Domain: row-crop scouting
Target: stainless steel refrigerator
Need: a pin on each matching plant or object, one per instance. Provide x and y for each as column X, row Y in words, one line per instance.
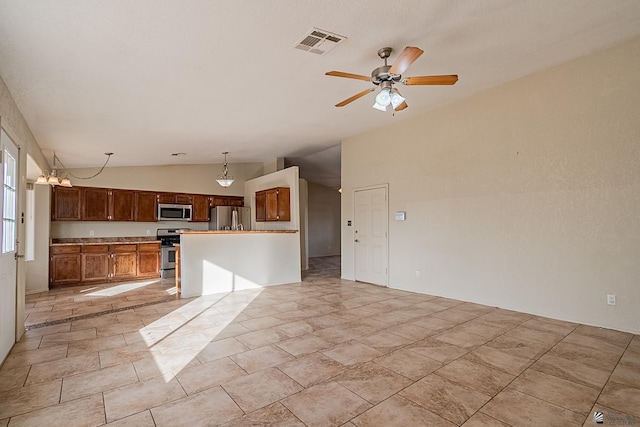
column 222, row 218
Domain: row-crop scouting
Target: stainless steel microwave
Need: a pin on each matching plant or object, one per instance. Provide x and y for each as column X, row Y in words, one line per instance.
column 168, row 212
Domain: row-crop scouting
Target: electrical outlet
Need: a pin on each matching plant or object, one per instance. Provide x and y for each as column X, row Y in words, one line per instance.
column 611, row 299
column 91, row 233
column 418, row 273
column 148, row 232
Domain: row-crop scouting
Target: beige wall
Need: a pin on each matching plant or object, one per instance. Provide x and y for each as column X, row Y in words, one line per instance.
column 525, row 197
column 324, row 221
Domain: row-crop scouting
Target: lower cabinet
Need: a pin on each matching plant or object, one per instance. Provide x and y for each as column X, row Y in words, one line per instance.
column 101, row 263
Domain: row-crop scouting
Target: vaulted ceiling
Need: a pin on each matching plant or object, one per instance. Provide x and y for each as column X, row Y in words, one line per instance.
column 148, row 78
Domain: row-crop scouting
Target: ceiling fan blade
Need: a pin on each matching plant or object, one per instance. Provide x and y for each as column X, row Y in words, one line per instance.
column 402, row 106
column 406, row 58
column 354, row 97
column 431, row 80
column 348, row 75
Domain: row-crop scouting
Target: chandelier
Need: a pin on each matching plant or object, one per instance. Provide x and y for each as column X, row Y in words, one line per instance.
column 54, row 178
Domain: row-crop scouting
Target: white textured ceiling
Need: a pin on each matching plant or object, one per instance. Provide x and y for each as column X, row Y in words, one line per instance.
column 147, row 78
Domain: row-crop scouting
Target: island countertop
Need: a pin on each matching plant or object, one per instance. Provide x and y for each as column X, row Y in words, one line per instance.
column 100, row 240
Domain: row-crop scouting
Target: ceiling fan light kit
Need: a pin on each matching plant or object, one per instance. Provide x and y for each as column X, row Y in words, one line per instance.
column 53, row 179
column 388, row 75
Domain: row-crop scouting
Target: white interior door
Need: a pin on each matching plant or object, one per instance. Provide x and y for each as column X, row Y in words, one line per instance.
column 370, row 236
column 8, row 231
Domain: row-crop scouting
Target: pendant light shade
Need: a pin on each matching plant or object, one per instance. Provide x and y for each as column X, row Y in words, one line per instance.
column 225, row 180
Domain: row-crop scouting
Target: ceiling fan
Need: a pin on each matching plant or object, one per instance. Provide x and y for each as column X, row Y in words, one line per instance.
column 387, row 75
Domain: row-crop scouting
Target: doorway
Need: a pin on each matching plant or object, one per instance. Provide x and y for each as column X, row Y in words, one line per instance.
column 9, row 156
column 371, row 247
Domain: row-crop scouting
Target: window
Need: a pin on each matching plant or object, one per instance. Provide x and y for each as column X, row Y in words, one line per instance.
column 9, row 209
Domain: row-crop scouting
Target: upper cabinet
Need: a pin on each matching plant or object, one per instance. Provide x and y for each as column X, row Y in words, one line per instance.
column 107, row 204
column 273, row 204
column 146, row 209
column 66, row 204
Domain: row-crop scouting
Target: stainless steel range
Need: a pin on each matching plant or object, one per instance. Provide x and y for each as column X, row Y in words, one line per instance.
column 168, row 237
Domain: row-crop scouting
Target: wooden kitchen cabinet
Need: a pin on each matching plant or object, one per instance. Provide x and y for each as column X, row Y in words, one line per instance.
column 175, row 198
column 66, row 204
column 122, row 205
column 65, row 265
column 95, row 263
column 200, row 208
column 149, row 259
column 124, row 261
column 146, row 206
column 273, row 204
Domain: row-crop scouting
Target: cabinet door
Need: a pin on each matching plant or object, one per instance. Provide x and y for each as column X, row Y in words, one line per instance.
column 124, row 261
column 65, row 268
column 200, row 211
column 220, row 201
column 95, row 263
column 284, row 205
column 66, row 204
column 167, row 198
column 122, row 205
column 236, row 201
column 146, row 206
column 149, row 259
column 261, row 206
column 183, row 199
column 95, row 204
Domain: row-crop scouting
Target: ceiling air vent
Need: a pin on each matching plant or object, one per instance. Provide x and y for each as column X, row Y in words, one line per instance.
column 319, row 41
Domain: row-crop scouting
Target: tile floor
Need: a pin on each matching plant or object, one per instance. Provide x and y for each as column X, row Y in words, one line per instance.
column 324, row 352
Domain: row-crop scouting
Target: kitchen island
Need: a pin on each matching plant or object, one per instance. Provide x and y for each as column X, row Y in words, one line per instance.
column 225, row 261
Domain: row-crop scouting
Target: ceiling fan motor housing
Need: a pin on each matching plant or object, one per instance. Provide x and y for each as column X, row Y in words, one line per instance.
column 381, row 74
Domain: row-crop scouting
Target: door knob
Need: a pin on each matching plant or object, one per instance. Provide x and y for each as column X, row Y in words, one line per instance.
column 356, row 240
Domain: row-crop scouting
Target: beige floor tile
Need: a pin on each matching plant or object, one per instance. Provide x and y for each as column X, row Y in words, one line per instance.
column 597, row 358
column 617, row 338
column 351, row 353
column 339, row 334
column 571, row 370
column 626, row 375
column 129, row 353
column 273, row 415
column 219, row 349
column 481, row 420
column 141, row 419
column 65, row 337
column 518, row 347
column 4, row 422
column 261, row 338
column 384, row 341
column 444, row 398
column 456, row 315
column 265, row 322
column 410, row 331
column 25, row 399
column 49, row 371
column 208, row 375
column 13, row 378
column 119, row 328
column 88, row 411
column 494, row 358
column 167, row 365
column 88, row 383
column 328, row 404
column 295, row 329
column 522, row 410
column 631, row 359
column 304, row 344
column 547, row 339
column 461, row 338
column 261, row 389
column 621, row 397
column 433, row 324
column 312, row 369
column 475, row 376
column 399, row 411
column 204, row 408
column 31, row 357
column 133, row 398
column 549, row 325
column 26, row 343
column 372, row 382
column 77, row 348
column 408, row 363
column 567, row 394
column 438, row 350
column 261, row 358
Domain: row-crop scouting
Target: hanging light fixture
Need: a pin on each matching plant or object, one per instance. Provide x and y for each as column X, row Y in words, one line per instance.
column 53, row 179
column 225, row 180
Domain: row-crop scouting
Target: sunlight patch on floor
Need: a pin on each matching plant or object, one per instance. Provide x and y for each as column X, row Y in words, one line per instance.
column 119, row 289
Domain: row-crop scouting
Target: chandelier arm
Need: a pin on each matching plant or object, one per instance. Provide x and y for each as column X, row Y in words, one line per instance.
column 55, row 157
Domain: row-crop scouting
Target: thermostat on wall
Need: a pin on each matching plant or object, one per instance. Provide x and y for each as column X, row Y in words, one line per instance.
column 400, row 216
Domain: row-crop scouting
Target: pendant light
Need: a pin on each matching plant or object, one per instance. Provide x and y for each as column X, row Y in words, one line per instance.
column 225, row 180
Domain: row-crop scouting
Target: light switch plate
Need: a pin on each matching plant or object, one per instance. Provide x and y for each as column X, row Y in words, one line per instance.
column 400, row 216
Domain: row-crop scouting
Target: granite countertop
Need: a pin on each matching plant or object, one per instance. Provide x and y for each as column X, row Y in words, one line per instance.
column 239, row 232
column 102, row 240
